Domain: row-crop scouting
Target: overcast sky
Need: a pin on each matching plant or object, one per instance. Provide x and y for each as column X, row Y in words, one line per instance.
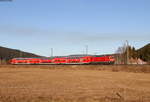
column 68, row 26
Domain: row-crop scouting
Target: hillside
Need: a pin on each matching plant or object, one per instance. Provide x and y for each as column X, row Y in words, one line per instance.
column 144, row 52
column 8, row 53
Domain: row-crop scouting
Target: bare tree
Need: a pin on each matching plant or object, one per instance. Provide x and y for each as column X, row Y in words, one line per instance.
column 122, row 54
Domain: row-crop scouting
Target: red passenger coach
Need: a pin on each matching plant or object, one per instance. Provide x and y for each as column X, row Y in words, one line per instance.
column 59, row 60
column 25, row 61
column 86, row 59
column 73, row 60
column 44, row 61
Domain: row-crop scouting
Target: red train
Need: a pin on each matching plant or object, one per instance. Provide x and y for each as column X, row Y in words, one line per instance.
column 96, row 59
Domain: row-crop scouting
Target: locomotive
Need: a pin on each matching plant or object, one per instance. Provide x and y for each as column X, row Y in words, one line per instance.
column 88, row 59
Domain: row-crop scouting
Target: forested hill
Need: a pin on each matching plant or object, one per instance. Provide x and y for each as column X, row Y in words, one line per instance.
column 8, row 53
column 144, row 52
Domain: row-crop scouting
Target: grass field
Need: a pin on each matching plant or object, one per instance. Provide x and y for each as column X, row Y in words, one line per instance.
column 74, row 84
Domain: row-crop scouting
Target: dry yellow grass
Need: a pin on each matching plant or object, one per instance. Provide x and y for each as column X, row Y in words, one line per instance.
column 37, row 84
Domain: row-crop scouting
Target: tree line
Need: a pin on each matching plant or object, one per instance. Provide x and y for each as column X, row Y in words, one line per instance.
column 126, row 52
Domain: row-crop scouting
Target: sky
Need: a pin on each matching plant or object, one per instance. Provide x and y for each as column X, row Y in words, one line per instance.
column 68, row 26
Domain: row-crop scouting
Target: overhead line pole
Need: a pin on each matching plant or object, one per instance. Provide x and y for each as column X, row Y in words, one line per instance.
column 86, row 47
column 127, row 45
column 51, row 52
